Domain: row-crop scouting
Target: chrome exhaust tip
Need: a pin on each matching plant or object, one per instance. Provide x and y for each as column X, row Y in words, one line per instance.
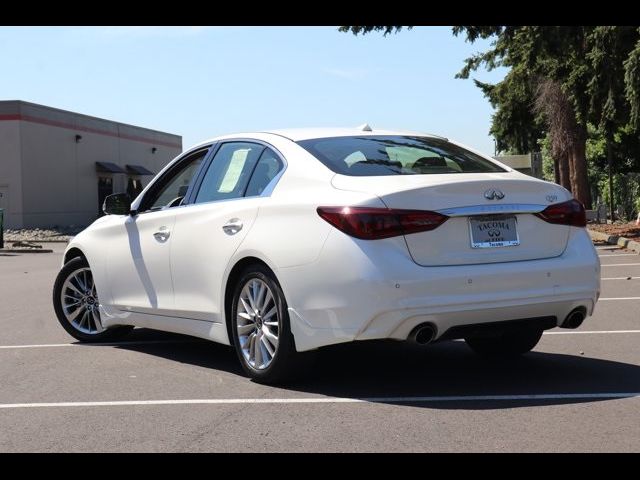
column 422, row 334
column 575, row 318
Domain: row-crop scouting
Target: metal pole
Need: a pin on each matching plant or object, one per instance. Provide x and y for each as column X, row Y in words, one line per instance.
column 1, row 228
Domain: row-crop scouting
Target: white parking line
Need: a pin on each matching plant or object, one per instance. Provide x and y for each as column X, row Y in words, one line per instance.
column 136, row 342
column 620, row 255
column 621, row 278
column 151, row 342
column 619, row 298
column 591, row 332
column 620, row 265
column 236, row 401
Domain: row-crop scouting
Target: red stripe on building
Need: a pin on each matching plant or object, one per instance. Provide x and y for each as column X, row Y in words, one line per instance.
column 54, row 123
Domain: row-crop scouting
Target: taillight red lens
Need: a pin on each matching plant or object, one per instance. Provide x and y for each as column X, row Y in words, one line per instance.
column 375, row 223
column 567, row 213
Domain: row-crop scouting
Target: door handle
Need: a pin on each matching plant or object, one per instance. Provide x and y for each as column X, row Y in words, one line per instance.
column 162, row 235
column 233, row 226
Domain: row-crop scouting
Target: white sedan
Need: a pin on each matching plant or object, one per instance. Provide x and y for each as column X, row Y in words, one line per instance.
column 285, row 241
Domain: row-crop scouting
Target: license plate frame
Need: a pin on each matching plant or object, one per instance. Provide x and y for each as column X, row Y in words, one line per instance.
column 482, row 237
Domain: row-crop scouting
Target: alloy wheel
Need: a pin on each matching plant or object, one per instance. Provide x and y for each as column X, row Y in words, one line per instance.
column 79, row 301
column 257, row 324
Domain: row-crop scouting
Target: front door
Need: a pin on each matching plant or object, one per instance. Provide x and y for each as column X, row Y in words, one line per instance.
column 138, row 258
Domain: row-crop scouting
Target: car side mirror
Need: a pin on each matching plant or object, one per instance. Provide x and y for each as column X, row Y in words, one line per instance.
column 117, row 204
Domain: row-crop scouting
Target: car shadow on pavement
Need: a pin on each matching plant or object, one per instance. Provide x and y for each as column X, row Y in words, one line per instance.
column 383, row 369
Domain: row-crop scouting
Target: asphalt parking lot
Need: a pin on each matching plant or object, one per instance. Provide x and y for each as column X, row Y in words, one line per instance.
column 578, row 391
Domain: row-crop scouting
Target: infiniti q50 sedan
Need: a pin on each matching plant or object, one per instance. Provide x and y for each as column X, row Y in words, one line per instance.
column 286, row 241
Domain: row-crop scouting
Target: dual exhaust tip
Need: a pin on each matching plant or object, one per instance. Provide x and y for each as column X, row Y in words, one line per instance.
column 424, row 333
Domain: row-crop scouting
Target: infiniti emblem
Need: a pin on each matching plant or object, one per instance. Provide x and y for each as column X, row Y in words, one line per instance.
column 493, row 194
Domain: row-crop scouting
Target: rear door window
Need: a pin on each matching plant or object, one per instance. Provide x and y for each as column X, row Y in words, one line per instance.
column 229, row 172
column 266, row 170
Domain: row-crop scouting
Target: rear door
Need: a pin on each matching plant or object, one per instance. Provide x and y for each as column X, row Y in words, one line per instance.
column 210, row 230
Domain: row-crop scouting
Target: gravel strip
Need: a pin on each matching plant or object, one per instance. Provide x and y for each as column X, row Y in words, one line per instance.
column 54, row 234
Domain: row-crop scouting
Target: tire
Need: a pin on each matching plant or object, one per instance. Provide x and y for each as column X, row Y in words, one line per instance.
column 84, row 328
column 271, row 363
column 510, row 343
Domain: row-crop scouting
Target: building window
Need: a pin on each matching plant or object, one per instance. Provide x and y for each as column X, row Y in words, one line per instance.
column 105, row 187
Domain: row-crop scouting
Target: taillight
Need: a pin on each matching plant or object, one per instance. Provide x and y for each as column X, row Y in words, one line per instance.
column 567, row 213
column 375, row 223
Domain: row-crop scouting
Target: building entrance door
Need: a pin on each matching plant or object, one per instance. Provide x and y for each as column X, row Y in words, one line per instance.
column 4, row 205
column 4, row 198
column 105, row 188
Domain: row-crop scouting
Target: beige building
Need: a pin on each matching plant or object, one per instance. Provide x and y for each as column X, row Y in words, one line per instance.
column 530, row 164
column 56, row 166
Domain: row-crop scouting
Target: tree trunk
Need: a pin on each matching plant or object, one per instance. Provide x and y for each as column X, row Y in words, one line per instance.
column 556, row 170
column 610, row 174
column 564, row 163
column 579, row 172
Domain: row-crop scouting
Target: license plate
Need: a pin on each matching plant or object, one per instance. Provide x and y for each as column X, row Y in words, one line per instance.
column 493, row 231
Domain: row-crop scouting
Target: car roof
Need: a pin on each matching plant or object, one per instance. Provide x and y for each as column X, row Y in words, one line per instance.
column 298, row 134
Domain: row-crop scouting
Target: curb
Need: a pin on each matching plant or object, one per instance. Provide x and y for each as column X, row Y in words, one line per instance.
column 615, row 240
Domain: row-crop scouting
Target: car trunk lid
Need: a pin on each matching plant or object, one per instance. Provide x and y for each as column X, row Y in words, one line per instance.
column 486, row 202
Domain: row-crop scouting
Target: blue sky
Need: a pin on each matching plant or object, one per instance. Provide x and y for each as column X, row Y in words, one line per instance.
column 200, row 82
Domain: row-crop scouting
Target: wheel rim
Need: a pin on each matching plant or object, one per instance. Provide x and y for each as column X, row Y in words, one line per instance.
column 79, row 301
column 257, row 324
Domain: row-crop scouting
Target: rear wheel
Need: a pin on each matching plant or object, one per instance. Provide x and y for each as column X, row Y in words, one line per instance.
column 511, row 343
column 75, row 301
column 260, row 328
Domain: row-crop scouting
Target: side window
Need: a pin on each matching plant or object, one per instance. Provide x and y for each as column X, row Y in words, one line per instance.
column 172, row 190
column 229, row 171
column 268, row 167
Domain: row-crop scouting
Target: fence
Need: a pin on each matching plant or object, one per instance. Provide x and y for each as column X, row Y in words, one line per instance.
column 626, row 194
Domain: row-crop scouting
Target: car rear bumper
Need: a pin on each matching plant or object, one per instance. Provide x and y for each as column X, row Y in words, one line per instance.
column 359, row 290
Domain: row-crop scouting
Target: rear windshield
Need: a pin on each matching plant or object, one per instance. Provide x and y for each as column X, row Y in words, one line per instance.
column 395, row 155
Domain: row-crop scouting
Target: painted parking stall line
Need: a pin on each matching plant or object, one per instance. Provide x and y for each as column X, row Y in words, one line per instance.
column 168, row 342
column 618, row 298
column 620, row 278
column 237, row 401
column 134, row 342
column 592, row 332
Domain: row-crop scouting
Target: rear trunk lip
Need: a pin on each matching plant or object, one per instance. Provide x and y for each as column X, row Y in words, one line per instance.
column 472, row 210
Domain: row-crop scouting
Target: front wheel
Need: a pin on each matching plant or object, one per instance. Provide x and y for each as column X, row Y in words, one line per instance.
column 260, row 328
column 510, row 343
column 75, row 301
